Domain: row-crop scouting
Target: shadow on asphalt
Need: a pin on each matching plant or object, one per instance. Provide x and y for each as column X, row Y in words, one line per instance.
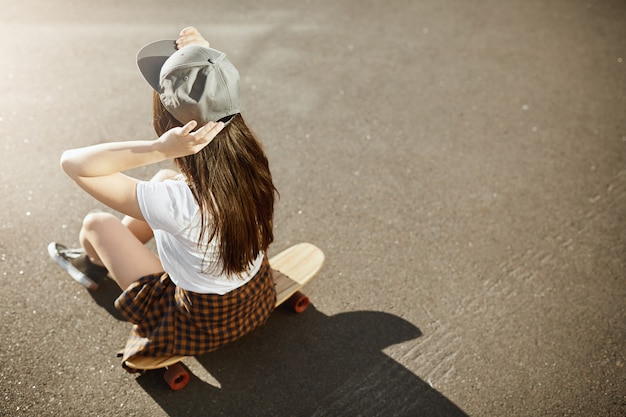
column 106, row 294
column 307, row 365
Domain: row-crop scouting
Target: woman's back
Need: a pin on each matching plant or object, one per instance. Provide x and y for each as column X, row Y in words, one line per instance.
column 232, row 184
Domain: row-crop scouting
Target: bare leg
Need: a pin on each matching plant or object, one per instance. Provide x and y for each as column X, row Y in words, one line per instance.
column 140, row 228
column 165, row 174
column 119, row 245
column 110, row 243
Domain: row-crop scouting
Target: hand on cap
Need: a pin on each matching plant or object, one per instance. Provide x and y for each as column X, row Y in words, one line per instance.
column 181, row 141
column 189, row 36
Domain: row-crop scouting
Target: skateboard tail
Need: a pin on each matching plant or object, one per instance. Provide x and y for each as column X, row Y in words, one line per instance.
column 291, row 269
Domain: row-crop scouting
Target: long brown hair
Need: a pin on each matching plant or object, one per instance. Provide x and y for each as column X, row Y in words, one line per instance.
column 232, row 184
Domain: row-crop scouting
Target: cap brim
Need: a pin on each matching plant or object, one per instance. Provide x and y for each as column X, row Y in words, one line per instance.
column 151, row 58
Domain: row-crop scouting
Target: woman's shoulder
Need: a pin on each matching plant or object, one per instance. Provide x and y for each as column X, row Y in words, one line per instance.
column 169, row 204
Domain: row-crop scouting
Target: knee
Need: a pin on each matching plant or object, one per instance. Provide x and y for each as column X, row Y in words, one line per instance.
column 93, row 222
column 165, row 174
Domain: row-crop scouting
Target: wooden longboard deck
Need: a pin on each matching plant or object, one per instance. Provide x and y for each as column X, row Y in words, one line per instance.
column 292, row 269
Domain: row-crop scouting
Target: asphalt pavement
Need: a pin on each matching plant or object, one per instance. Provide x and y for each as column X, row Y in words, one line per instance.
column 462, row 165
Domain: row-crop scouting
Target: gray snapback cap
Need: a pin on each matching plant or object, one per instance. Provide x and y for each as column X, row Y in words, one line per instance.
column 194, row 82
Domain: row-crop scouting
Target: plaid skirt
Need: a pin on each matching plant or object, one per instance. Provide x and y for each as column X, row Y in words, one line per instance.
column 168, row 320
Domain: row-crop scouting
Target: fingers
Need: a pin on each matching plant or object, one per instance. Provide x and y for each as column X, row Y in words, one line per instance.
column 209, row 130
column 190, row 35
column 182, row 141
column 206, row 132
column 188, row 30
column 211, row 127
column 185, row 130
column 205, row 135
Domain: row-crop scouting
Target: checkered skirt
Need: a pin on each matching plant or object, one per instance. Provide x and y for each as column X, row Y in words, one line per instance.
column 168, row 320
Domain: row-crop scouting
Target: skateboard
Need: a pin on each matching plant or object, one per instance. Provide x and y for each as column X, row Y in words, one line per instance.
column 291, row 269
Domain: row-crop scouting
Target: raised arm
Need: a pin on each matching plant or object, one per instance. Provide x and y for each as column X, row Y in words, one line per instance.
column 98, row 169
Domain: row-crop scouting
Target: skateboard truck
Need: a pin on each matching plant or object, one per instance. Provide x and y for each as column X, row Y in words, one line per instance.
column 291, row 270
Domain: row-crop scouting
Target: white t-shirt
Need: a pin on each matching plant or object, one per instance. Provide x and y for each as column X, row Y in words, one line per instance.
column 173, row 214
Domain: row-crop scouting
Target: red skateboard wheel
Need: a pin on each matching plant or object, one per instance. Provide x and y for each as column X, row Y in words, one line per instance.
column 298, row 302
column 176, row 376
